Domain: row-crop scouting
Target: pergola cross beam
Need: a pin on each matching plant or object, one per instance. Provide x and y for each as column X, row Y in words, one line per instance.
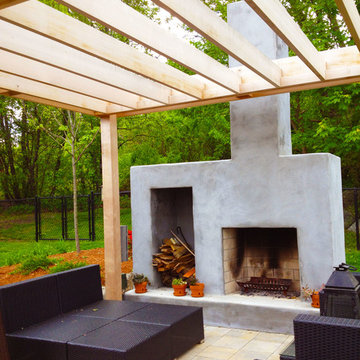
column 277, row 17
column 123, row 19
column 352, row 18
column 217, row 31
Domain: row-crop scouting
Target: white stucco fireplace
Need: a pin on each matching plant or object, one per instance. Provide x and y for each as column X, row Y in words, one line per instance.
column 262, row 187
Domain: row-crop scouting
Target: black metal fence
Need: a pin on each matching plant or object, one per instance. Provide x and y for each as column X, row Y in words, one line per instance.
column 351, row 203
column 52, row 218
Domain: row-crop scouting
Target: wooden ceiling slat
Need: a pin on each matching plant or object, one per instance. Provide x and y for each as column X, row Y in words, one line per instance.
column 207, row 23
column 277, row 17
column 34, row 70
column 34, row 88
column 352, row 18
column 51, row 58
column 7, row 3
column 40, row 48
column 123, row 19
column 343, row 67
column 53, row 24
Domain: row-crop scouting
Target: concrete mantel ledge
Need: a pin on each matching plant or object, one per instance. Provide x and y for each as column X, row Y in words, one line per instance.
column 260, row 313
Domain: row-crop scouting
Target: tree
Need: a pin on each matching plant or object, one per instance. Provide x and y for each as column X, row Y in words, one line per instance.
column 68, row 138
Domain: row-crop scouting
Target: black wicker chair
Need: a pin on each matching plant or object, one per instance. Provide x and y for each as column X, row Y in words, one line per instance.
column 324, row 337
column 64, row 317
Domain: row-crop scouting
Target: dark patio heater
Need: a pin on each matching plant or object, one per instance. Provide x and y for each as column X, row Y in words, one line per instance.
column 341, row 295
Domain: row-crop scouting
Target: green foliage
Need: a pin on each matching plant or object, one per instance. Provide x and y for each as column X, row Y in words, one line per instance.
column 67, row 265
column 179, row 281
column 33, row 263
column 15, row 252
column 140, row 278
column 352, row 254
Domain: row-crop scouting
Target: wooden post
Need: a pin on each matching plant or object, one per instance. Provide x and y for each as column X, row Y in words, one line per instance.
column 111, row 207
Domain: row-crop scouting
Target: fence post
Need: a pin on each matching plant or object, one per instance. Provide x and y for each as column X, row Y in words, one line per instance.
column 356, row 218
column 65, row 219
column 36, row 219
column 62, row 218
column 92, row 216
column 89, row 216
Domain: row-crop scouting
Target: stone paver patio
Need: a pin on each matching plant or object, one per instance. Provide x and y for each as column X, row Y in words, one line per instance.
column 236, row 344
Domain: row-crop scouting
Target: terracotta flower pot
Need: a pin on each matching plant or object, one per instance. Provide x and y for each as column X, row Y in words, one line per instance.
column 141, row 288
column 179, row 290
column 315, row 297
column 197, row 290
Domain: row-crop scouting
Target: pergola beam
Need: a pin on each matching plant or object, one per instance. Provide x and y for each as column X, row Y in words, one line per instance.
column 40, row 48
column 26, row 86
column 123, row 19
column 7, row 3
column 343, row 67
column 207, row 23
column 55, row 25
column 351, row 16
column 34, row 70
column 277, row 17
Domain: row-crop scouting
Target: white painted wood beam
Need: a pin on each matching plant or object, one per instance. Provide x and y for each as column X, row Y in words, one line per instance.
column 217, row 31
column 34, row 70
column 277, row 17
column 111, row 207
column 7, row 3
column 37, row 47
column 53, row 24
column 351, row 16
column 40, row 90
column 125, row 20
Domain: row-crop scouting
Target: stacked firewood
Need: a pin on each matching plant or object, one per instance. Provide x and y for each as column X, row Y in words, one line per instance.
column 175, row 259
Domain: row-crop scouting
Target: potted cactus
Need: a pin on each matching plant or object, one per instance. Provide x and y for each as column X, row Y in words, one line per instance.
column 179, row 286
column 140, row 282
column 197, row 288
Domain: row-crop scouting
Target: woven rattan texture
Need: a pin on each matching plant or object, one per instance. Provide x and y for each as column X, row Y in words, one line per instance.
column 323, row 337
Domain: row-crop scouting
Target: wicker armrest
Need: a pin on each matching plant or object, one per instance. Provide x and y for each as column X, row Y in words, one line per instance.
column 325, row 337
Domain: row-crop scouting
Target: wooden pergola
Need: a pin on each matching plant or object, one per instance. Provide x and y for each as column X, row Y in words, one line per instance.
column 51, row 58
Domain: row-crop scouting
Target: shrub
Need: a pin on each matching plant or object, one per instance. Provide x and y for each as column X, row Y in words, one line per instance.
column 33, row 263
column 67, row 265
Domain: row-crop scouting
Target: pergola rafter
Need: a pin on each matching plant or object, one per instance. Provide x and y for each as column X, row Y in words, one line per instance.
column 131, row 82
column 352, row 18
column 51, row 58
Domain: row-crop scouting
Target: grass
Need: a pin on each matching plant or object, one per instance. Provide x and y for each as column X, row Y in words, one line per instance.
column 352, row 254
column 67, row 265
column 15, row 252
column 20, row 225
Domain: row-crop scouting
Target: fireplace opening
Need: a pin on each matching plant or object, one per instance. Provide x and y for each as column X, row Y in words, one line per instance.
column 171, row 208
column 260, row 253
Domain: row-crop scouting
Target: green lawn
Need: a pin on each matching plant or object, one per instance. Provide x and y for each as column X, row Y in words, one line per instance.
column 13, row 252
column 17, row 234
column 352, row 255
column 21, row 226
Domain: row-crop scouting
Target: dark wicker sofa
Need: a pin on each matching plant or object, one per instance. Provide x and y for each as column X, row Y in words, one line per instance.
column 64, row 317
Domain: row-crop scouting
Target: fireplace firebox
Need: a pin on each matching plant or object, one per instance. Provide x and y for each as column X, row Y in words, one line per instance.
column 260, row 252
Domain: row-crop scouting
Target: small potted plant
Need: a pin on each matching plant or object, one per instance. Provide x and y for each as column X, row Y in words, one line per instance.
column 197, row 288
column 140, row 282
column 179, row 286
column 313, row 295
